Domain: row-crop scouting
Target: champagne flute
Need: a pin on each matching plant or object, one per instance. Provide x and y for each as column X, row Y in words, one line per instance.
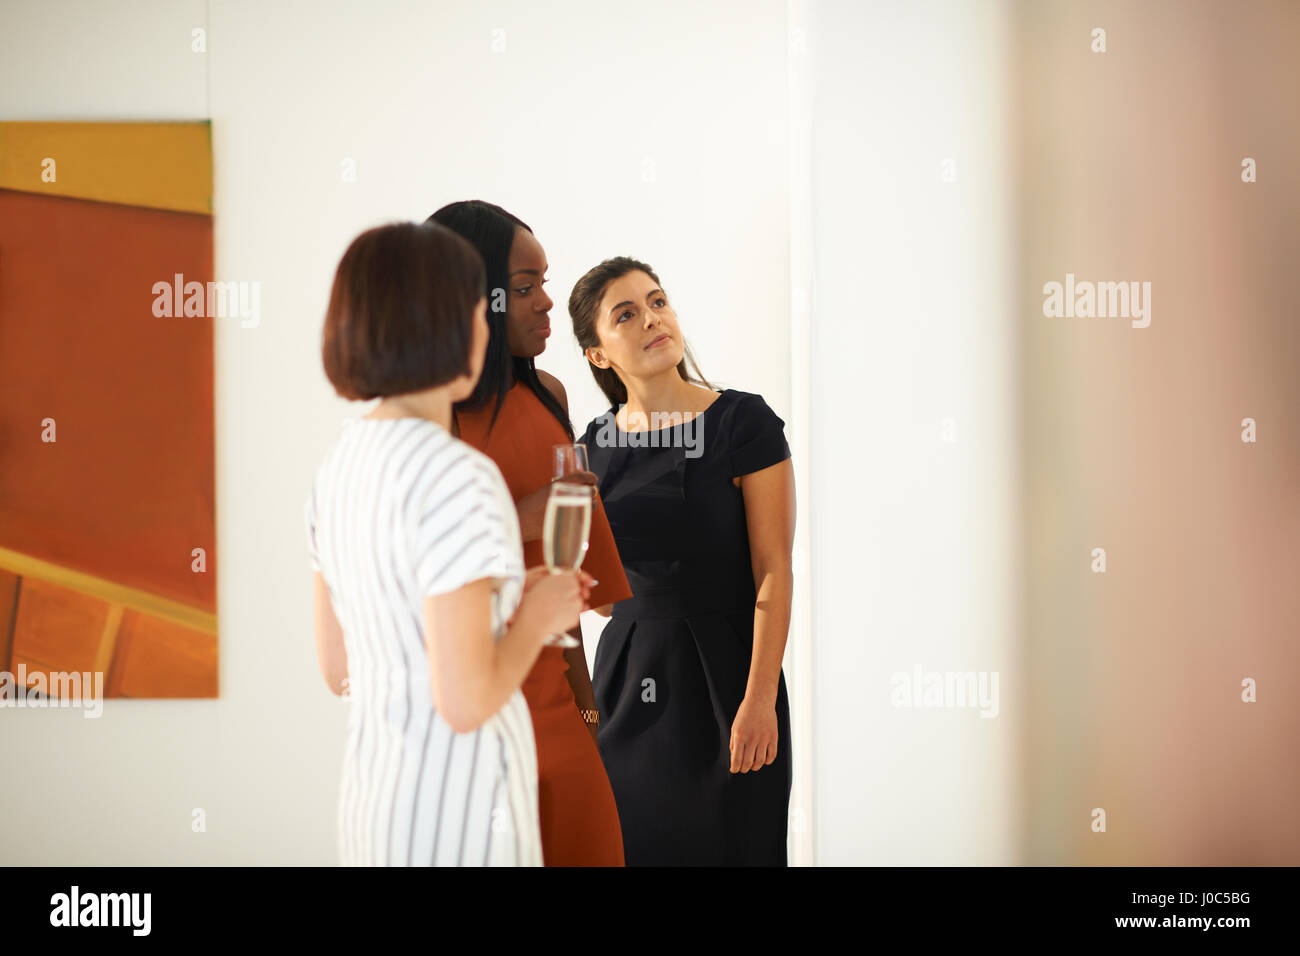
column 566, row 459
column 565, row 530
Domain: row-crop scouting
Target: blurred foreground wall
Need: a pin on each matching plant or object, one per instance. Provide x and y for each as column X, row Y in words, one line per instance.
column 1130, row 168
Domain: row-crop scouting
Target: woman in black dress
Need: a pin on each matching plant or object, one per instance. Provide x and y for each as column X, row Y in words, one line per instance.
column 694, row 718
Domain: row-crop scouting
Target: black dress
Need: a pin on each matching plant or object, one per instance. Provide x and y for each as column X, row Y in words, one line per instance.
column 673, row 662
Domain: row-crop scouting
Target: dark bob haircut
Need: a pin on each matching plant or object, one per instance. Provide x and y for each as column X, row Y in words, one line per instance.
column 401, row 312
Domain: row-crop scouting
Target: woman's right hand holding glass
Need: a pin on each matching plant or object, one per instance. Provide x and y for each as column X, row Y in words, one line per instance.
column 551, row 603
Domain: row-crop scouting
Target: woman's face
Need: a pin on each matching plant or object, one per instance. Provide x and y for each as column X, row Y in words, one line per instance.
column 637, row 328
column 477, row 351
column 528, row 307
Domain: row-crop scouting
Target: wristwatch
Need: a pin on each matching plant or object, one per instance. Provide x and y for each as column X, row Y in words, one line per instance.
column 590, row 716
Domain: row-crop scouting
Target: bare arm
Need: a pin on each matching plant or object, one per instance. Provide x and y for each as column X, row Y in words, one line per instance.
column 471, row 674
column 769, row 516
column 584, row 695
column 330, row 654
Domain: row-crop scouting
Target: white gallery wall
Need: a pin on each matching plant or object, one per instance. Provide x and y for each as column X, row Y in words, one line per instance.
column 654, row 131
column 907, row 241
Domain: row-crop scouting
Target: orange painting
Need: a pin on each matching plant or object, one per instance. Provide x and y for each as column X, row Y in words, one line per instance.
column 107, row 461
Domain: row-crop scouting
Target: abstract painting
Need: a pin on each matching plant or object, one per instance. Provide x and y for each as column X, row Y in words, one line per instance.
column 107, row 458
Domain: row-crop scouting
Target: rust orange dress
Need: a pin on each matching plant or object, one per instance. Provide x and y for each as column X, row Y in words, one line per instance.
column 580, row 825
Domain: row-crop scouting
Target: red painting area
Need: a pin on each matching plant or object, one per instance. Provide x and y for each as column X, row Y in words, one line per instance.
column 126, row 492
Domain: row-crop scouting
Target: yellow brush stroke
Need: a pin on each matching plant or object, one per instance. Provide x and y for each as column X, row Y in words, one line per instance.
column 108, row 639
column 158, row 165
column 142, row 601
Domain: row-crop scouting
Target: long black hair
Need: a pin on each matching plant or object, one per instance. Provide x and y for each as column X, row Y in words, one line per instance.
column 491, row 230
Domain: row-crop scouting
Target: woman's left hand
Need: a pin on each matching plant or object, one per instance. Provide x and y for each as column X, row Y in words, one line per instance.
column 753, row 736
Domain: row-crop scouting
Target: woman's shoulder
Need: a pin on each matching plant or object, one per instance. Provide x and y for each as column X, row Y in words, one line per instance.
column 554, row 386
column 442, row 466
column 605, row 421
column 471, row 463
column 747, row 406
column 755, row 433
column 382, row 444
column 741, row 397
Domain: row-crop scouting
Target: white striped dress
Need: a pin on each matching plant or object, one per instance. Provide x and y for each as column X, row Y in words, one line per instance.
column 400, row 509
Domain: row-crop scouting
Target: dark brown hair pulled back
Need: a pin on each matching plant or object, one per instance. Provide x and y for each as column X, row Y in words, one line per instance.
column 584, row 305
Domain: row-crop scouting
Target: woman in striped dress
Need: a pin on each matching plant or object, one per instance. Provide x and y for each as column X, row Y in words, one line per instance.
column 425, row 617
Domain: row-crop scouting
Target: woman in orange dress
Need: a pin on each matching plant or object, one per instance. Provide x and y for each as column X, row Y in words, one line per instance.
column 515, row 416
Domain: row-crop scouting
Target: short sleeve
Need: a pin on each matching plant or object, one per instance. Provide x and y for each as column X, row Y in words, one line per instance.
column 757, row 437
column 309, row 515
column 592, row 435
column 460, row 533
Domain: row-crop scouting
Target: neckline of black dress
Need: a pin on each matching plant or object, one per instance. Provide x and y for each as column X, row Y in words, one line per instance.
column 613, row 413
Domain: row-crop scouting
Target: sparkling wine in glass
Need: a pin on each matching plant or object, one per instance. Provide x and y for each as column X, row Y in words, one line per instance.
column 565, row 530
